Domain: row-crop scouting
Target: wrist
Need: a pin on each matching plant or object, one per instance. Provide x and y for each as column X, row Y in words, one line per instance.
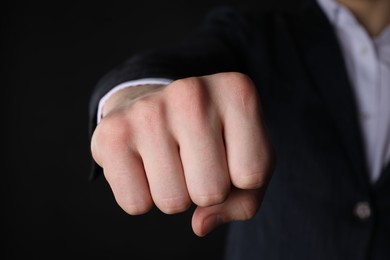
column 125, row 97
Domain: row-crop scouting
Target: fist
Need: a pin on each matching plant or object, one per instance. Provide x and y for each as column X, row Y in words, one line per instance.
column 199, row 140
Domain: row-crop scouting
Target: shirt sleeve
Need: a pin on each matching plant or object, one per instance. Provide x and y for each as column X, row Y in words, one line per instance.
column 128, row 84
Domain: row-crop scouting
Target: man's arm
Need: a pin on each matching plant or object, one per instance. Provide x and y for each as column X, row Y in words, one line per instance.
column 198, row 140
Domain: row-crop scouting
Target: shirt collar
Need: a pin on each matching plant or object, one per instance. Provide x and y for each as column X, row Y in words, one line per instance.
column 339, row 16
column 337, row 13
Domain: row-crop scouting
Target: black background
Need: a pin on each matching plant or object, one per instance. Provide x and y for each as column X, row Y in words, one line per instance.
column 52, row 55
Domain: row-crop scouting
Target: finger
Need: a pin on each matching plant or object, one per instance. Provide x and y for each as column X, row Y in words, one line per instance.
column 241, row 205
column 164, row 171
column 248, row 152
column 159, row 152
column 199, row 134
column 205, row 169
column 125, row 174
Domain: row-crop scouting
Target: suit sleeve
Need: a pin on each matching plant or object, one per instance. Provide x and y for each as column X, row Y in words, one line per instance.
column 215, row 46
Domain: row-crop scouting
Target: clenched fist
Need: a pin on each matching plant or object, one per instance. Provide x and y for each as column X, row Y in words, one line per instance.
column 198, row 140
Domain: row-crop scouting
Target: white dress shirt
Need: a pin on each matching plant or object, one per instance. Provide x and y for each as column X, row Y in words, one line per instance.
column 368, row 65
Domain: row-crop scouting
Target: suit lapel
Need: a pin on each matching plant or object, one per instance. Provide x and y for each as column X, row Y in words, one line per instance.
column 384, row 177
column 323, row 58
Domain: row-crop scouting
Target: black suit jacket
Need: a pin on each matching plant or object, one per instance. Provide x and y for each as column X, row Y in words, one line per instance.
column 295, row 61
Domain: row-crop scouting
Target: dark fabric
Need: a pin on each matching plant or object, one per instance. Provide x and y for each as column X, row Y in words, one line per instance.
column 309, row 107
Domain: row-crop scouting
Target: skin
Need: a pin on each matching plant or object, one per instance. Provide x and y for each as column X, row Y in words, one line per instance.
column 199, row 140
column 373, row 15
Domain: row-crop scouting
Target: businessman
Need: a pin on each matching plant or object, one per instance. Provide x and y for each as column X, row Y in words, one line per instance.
column 275, row 122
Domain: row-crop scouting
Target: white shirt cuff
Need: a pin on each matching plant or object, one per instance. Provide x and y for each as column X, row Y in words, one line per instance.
column 128, row 84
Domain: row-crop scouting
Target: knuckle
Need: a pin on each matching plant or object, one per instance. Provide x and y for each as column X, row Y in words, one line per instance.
column 95, row 148
column 112, row 133
column 173, row 205
column 250, row 180
column 147, row 114
column 135, row 208
column 257, row 173
column 210, row 198
column 113, row 126
column 243, row 91
column 245, row 83
column 188, row 96
column 186, row 85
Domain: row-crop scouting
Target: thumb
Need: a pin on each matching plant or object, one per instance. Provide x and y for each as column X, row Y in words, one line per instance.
column 240, row 205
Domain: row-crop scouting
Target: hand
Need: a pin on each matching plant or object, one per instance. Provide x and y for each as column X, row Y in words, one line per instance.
column 198, row 140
